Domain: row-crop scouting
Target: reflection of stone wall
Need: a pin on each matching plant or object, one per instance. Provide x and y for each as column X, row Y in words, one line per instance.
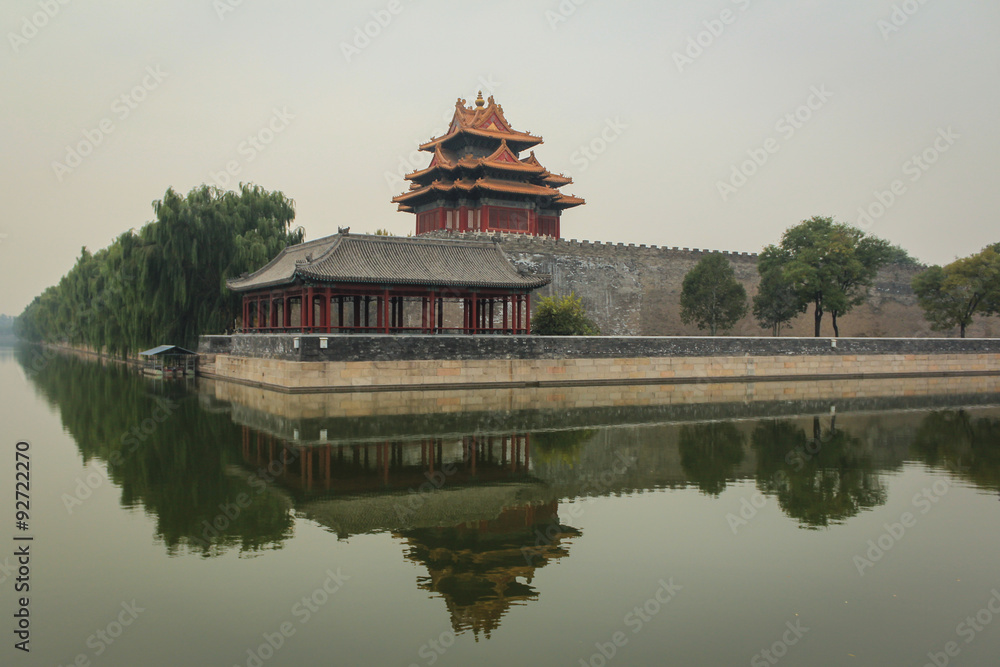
column 359, row 416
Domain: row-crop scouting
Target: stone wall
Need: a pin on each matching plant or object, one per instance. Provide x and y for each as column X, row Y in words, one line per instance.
column 635, row 290
column 380, row 362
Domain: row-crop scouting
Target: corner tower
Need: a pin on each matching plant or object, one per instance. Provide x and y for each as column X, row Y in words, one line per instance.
column 477, row 180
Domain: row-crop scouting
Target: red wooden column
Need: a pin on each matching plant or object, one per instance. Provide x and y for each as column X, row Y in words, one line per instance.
column 506, row 302
column 475, row 312
column 384, row 310
column 325, row 311
column 246, row 313
column 527, row 313
column 286, row 310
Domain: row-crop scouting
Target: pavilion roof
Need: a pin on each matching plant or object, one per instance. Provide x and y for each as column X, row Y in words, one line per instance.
column 465, row 186
column 485, row 120
column 390, row 260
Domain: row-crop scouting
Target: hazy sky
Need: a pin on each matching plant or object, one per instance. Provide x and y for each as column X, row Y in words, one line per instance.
column 713, row 124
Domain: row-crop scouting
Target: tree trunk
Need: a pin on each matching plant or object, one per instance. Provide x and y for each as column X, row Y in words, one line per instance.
column 818, row 316
column 836, row 329
column 961, row 330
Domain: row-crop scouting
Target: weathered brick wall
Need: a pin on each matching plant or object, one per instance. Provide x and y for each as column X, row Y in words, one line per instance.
column 635, row 290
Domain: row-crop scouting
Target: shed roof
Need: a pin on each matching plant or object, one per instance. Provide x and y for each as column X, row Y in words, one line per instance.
column 165, row 349
column 391, row 260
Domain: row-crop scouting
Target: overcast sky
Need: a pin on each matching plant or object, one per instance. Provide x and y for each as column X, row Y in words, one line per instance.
column 713, row 124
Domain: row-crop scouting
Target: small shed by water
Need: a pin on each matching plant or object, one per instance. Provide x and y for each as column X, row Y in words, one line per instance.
column 169, row 361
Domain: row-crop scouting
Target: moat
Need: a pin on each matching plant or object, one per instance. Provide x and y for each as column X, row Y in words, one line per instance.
column 848, row 523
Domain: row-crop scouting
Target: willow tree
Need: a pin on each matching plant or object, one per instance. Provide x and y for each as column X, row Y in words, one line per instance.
column 166, row 281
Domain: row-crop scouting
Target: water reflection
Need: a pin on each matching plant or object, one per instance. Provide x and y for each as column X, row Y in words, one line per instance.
column 820, row 479
column 165, row 453
column 483, row 568
column 471, row 484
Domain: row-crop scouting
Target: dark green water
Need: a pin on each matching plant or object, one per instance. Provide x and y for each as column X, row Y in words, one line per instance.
column 174, row 528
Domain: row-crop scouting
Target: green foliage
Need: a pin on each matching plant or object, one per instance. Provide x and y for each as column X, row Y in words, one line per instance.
column 166, row 282
column 776, row 302
column 830, row 265
column 898, row 255
column 562, row 316
column 953, row 295
column 711, row 296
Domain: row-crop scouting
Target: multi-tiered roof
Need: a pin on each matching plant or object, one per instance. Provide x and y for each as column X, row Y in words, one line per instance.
column 477, row 163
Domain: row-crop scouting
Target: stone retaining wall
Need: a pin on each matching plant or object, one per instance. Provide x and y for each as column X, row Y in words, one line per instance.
column 373, row 362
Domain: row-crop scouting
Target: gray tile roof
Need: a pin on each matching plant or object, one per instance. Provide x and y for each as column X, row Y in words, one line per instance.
column 391, row 260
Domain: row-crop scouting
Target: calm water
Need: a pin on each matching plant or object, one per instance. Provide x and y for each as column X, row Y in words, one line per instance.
column 211, row 524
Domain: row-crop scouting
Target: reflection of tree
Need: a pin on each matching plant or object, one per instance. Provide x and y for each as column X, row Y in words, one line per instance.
column 961, row 444
column 166, row 454
column 821, row 480
column 559, row 447
column 482, row 570
column 710, row 453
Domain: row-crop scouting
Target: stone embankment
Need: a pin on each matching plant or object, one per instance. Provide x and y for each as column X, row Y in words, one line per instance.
column 307, row 363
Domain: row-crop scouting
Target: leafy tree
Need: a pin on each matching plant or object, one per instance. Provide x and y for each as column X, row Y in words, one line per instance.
column 562, row 316
column 899, row 255
column 711, row 296
column 830, row 265
column 166, row 281
column 952, row 296
column 776, row 302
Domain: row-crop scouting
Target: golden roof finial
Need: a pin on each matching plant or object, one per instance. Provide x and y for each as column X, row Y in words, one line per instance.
column 480, row 102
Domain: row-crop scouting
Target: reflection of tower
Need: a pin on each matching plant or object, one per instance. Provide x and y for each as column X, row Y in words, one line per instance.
column 483, row 568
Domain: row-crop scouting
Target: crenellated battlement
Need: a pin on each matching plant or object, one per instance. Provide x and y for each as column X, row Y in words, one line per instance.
column 524, row 242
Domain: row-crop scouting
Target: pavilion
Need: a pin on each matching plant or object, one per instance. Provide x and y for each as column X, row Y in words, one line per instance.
column 359, row 283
